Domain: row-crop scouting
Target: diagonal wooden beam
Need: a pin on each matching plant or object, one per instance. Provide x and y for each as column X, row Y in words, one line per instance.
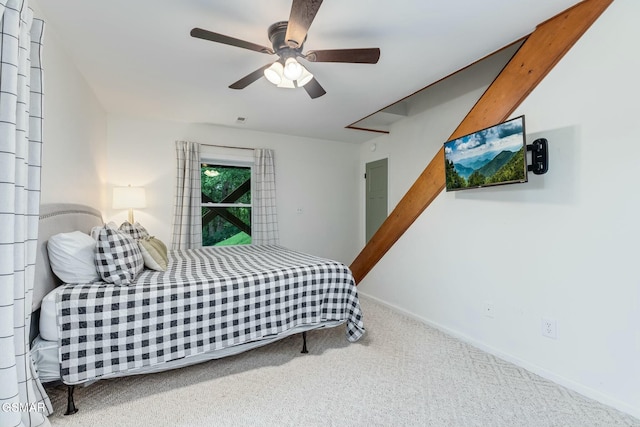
column 536, row 57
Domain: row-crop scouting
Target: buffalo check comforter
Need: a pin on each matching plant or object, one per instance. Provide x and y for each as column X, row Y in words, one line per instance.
column 208, row 299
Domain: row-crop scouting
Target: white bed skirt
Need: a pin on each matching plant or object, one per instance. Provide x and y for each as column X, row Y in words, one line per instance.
column 45, row 354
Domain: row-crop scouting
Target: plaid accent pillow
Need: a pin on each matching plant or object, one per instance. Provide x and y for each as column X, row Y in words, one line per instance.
column 137, row 231
column 118, row 257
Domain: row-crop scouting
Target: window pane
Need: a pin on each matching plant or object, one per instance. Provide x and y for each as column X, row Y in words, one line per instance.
column 226, row 226
column 225, row 184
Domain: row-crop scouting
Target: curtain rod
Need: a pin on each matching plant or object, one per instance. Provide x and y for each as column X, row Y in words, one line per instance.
column 228, row 146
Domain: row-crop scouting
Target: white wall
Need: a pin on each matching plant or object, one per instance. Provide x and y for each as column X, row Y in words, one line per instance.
column 74, row 131
column 562, row 246
column 318, row 176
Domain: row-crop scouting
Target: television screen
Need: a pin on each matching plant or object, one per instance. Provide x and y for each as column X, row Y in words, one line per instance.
column 492, row 156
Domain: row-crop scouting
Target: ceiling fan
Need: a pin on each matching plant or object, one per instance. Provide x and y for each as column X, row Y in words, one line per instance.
column 287, row 39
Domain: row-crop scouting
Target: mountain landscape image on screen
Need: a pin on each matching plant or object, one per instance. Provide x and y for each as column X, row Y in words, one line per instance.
column 492, row 156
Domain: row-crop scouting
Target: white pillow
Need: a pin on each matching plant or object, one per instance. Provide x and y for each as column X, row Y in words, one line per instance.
column 71, row 256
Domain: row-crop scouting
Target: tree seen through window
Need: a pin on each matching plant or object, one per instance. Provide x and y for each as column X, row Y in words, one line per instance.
column 226, row 204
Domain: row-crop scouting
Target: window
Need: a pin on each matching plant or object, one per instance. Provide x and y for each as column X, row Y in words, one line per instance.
column 226, row 204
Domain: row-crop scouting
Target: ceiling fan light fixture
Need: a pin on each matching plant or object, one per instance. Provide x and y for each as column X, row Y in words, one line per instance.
column 287, row 39
column 292, row 69
column 274, row 73
column 304, row 78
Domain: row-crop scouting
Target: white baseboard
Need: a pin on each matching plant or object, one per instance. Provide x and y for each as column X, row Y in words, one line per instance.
column 531, row 367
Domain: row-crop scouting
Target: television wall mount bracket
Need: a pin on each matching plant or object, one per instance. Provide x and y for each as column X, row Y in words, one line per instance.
column 539, row 157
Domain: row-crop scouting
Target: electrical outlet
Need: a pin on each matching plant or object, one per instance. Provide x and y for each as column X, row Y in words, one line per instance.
column 549, row 328
column 488, row 309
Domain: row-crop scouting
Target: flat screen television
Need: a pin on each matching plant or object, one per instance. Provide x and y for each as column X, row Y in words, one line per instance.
column 493, row 156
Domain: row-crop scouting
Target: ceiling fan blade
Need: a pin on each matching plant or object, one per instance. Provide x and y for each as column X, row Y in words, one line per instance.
column 302, row 14
column 314, row 89
column 220, row 38
column 249, row 78
column 355, row 56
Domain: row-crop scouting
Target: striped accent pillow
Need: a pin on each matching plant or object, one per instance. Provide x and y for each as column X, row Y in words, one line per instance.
column 118, row 258
column 154, row 253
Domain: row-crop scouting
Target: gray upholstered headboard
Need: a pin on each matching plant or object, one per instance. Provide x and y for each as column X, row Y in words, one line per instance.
column 57, row 218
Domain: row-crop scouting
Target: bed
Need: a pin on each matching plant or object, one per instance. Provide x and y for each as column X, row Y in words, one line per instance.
column 208, row 303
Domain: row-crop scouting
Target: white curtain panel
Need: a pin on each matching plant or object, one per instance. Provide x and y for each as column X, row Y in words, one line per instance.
column 187, row 214
column 264, row 230
column 23, row 401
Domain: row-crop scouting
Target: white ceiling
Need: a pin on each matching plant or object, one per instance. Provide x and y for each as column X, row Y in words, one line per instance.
column 140, row 60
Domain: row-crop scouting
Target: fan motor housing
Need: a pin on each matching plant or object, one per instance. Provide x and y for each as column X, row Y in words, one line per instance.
column 277, row 34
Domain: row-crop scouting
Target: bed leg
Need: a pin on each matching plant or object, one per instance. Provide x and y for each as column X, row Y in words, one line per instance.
column 304, row 343
column 71, row 407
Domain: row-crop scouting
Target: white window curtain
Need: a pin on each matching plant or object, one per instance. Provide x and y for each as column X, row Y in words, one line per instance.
column 264, row 230
column 187, row 216
column 23, row 401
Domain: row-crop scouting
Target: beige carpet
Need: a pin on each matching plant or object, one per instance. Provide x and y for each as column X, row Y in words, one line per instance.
column 402, row 373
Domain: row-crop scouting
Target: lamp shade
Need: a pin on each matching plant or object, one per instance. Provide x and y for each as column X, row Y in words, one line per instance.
column 129, row 197
column 292, row 69
column 274, row 73
column 286, row 83
column 304, row 78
